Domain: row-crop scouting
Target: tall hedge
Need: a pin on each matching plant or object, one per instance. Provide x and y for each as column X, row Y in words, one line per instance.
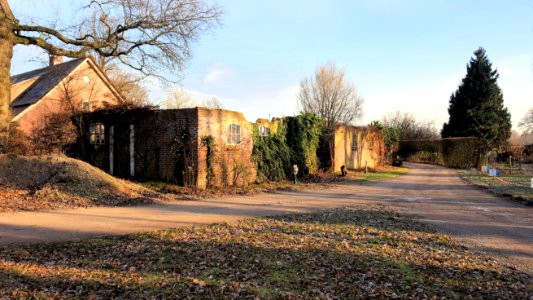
column 448, row 152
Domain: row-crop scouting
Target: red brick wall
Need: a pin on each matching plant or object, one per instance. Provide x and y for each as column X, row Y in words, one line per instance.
column 155, row 131
column 233, row 163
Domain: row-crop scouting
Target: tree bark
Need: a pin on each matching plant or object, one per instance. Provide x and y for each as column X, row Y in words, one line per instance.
column 6, row 53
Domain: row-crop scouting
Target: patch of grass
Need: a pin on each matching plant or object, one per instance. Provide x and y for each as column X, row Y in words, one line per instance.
column 514, row 186
column 376, row 175
column 188, row 193
column 358, row 252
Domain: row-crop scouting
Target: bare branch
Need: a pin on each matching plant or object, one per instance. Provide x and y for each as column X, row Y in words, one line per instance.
column 146, row 35
column 329, row 95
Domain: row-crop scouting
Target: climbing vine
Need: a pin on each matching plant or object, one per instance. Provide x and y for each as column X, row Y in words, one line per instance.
column 303, row 137
column 391, row 135
column 295, row 142
column 208, row 141
column 271, row 154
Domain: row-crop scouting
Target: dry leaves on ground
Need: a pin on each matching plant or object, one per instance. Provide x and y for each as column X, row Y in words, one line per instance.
column 338, row 254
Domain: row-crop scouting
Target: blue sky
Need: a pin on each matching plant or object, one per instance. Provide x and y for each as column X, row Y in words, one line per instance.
column 406, row 55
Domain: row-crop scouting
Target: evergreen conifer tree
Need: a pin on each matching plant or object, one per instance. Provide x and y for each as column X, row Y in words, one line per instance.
column 476, row 108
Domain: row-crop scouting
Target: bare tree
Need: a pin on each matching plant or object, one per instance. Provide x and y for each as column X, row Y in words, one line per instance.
column 409, row 127
column 178, row 98
column 146, row 35
column 527, row 122
column 329, row 95
column 129, row 86
column 212, row 103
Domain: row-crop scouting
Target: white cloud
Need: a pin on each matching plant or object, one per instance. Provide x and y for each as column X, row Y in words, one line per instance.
column 217, row 73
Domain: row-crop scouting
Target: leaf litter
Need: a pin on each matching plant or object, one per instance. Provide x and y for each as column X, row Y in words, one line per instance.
column 356, row 252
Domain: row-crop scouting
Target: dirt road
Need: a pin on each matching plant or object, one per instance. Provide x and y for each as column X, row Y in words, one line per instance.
column 438, row 195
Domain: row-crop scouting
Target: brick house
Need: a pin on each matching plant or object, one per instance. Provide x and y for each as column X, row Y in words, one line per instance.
column 168, row 145
column 62, row 87
column 357, row 147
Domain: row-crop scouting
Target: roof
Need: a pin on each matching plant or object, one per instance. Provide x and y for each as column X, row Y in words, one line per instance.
column 45, row 79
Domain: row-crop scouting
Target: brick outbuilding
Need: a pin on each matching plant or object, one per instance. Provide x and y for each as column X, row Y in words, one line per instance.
column 170, row 145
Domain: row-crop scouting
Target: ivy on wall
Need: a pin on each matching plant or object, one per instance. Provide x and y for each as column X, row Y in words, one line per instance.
column 271, row 154
column 295, row 142
column 303, row 136
column 391, row 135
column 208, row 141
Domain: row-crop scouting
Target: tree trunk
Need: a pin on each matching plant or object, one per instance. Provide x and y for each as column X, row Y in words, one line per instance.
column 6, row 53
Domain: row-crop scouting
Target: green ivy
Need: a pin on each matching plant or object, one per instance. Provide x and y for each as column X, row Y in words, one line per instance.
column 391, row 135
column 303, row 136
column 295, row 142
column 208, row 141
column 271, row 155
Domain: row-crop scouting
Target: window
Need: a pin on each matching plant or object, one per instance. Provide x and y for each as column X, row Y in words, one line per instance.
column 86, row 105
column 264, row 131
column 97, row 134
column 234, row 134
column 354, row 143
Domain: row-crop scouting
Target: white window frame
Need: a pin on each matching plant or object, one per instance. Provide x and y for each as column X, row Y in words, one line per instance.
column 264, row 131
column 234, row 134
column 97, row 134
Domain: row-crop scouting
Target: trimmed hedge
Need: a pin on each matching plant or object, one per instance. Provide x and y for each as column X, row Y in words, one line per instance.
column 448, row 152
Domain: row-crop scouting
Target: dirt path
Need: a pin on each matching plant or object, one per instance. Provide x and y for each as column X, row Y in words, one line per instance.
column 438, row 195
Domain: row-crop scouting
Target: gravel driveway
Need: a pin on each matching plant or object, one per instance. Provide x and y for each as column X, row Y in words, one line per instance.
column 436, row 194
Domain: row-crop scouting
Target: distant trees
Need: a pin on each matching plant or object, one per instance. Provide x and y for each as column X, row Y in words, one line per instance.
column 329, row 95
column 180, row 98
column 409, row 128
column 476, row 108
column 527, row 122
column 129, row 86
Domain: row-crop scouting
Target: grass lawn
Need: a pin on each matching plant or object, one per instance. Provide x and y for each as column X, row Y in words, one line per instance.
column 380, row 174
column 346, row 253
column 515, row 186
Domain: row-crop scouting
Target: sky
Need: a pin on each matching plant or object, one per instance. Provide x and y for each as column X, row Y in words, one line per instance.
column 402, row 55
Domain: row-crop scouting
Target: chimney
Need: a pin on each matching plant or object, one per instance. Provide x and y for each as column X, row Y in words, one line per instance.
column 55, row 60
